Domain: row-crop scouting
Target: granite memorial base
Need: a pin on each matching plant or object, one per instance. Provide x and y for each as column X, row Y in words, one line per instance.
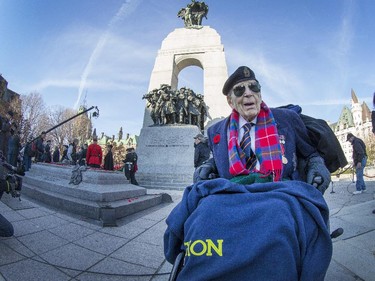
column 102, row 195
column 166, row 156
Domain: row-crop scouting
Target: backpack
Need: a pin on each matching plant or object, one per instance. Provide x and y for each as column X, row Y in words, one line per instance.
column 323, row 139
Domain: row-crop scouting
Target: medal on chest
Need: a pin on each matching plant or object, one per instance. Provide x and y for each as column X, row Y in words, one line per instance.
column 282, row 143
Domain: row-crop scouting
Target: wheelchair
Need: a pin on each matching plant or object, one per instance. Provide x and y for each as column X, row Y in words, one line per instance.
column 179, row 263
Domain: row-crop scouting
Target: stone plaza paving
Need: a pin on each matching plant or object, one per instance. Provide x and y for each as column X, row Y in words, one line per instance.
column 52, row 245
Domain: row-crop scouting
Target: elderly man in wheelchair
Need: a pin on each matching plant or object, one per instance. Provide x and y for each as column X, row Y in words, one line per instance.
column 256, row 210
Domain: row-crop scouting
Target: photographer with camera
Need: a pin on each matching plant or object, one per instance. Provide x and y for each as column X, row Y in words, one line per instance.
column 10, row 183
column 6, row 228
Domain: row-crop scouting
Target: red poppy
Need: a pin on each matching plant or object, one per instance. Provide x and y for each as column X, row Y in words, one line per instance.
column 216, row 139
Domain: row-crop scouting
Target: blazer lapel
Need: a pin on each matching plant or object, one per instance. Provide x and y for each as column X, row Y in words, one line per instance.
column 220, row 149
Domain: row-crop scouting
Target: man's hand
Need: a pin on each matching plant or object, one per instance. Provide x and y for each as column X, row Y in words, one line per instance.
column 359, row 165
column 318, row 174
column 206, row 171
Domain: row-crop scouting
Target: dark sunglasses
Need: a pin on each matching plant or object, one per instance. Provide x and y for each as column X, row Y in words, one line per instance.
column 240, row 90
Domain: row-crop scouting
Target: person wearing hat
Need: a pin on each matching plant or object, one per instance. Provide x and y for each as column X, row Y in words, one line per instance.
column 359, row 161
column 108, row 159
column 130, row 165
column 277, row 137
column 201, row 150
column 263, row 217
column 94, row 154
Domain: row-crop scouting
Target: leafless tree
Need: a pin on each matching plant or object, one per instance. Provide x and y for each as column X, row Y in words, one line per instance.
column 64, row 133
column 82, row 127
column 33, row 115
column 78, row 128
column 35, row 118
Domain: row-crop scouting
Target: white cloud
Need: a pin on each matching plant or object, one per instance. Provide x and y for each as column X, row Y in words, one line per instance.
column 44, row 84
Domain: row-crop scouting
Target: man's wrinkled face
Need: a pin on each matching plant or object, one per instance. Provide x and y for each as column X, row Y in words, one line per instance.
column 245, row 97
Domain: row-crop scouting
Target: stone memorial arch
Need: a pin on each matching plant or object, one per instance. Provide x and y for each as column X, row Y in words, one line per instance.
column 166, row 150
column 192, row 47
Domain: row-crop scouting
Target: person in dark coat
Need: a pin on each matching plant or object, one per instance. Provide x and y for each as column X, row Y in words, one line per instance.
column 72, row 152
column 359, row 161
column 14, row 146
column 108, row 159
column 82, row 155
column 40, row 147
column 47, row 152
column 278, row 139
column 130, row 166
column 260, row 198
column 6, row 228
column 201, row 150
column 5, row 132
column 28, row 154
column 56, row 155
column 64, row 156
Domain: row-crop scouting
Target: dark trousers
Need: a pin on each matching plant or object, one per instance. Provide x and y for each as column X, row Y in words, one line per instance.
column 6, row 228
column 27, row 162
column 130, row 175
column 132, row 178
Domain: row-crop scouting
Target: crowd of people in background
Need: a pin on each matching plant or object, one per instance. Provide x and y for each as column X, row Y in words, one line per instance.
column 40, row 149
column 10, row 142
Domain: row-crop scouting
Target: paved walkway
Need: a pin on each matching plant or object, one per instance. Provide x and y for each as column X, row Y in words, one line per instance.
column 52, row 245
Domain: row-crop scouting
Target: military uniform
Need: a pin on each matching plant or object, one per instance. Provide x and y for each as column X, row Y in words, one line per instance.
column 130, row 166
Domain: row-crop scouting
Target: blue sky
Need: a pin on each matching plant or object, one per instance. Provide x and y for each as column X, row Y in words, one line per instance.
column 310, row 53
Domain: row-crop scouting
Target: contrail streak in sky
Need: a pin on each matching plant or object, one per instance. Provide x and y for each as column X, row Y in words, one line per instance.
column 125, row 10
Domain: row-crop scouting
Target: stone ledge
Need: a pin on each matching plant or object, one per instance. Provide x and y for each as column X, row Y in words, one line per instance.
column 86, row 191
column 105, row 202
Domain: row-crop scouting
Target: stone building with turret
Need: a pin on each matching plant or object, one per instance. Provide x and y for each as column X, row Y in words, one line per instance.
column 355, row 119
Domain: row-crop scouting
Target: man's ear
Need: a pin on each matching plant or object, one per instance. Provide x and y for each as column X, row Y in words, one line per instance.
column 229, row 100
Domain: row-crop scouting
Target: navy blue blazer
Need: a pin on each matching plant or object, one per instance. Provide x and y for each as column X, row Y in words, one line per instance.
column 291, row 130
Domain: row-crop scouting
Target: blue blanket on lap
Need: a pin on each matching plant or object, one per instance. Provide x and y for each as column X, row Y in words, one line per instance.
column 263, row 231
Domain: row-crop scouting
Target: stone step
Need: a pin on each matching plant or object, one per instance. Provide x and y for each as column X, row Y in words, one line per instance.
column 100, row 196
column 93, row 209
column 64, row 172
column 86, row 191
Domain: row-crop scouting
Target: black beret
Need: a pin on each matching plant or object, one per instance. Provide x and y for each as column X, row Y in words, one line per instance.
column 242, row 73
